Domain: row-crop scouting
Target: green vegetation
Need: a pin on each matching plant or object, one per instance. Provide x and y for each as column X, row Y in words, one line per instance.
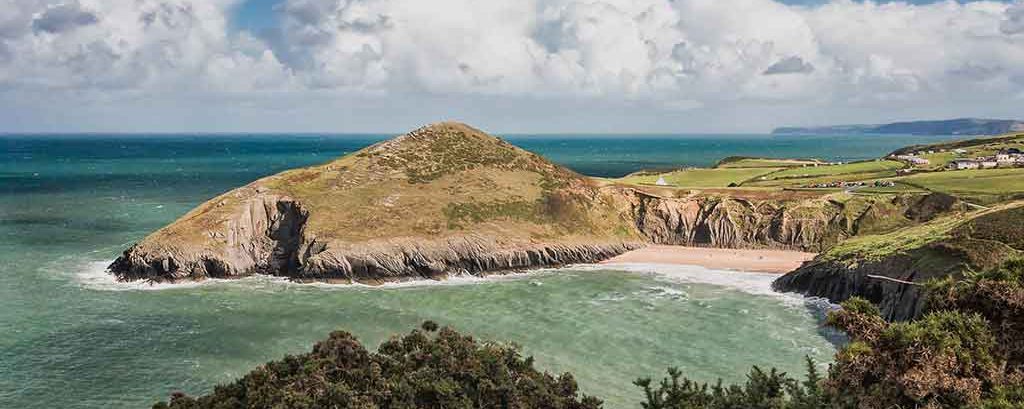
column 878, row 246
column 945, row 359
column 1002, row 182
column 425, row 369
column 1005, row 227
column 791, row 182
column 745, row 162
column 844, row 169
column 763, row 390
column 438, row 181
column 702, row 178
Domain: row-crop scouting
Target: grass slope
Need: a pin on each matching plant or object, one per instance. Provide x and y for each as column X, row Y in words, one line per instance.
column 980, row 239
column 702, row 178
column 447, row 179
column 971, row 182
column 835, row 170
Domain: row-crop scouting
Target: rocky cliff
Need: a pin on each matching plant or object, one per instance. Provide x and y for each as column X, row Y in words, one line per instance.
column 807, row 224
column 890, row 269
column 448, row 198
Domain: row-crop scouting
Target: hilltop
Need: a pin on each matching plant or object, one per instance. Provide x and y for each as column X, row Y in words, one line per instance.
column 962, row 126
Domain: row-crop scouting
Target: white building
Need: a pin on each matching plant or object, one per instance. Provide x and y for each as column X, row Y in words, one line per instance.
column 962, row 164
column 661, row 181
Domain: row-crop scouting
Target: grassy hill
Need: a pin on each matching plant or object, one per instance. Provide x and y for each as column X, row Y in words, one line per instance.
column 447, row 179
column 444, row 198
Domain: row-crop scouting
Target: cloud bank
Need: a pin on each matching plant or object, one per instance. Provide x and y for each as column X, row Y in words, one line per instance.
column 652, row 60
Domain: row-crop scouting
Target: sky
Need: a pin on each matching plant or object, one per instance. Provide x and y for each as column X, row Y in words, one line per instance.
column 508, row 66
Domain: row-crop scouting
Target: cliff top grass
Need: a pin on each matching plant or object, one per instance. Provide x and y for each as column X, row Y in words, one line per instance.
column 996, row 225
column 445, row 179
column 971, row 182
column 749, row 162
column 702, row 178
column 866, row 167
column 736, row 175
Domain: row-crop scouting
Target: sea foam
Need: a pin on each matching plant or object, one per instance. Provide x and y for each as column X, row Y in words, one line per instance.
column 94, row 275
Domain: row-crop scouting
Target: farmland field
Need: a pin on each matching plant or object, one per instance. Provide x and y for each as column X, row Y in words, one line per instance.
column 849, row 168
column 764, row 163
column 991, row 181
column 702, row 178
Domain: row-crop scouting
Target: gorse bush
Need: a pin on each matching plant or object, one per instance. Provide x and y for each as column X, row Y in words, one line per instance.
column 763, row 390
column 944, row 359
column 998, row 296
column 424, row 369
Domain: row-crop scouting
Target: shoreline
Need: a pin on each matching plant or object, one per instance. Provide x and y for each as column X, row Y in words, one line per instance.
column 745, row 260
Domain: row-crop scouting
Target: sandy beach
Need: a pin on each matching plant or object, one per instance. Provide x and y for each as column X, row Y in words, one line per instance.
column 766, row 261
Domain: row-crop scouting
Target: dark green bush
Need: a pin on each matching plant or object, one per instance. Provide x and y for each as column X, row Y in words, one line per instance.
column 423, row 369
column 763, row 390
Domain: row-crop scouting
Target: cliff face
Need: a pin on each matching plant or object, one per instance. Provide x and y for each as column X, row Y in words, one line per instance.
column 728, row 222
column 890, row 269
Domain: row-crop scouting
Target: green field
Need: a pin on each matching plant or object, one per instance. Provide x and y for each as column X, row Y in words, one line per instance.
column 846, row 169
column 802, row 182
column 988, row 182
column 702, row 178
column 763, row 163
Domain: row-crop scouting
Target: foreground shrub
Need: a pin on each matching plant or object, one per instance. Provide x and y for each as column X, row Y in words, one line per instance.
column 424, row 369
column 997, row 295
column 763, row 390
column 944, row 359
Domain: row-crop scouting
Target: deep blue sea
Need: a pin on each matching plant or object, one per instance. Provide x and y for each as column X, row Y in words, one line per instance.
column 71, row 337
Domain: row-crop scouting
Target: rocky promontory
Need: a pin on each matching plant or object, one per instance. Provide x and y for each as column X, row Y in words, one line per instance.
column 450, row 199
column 891, row 269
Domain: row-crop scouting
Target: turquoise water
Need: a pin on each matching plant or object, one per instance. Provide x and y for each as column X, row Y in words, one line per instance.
column 70, row 337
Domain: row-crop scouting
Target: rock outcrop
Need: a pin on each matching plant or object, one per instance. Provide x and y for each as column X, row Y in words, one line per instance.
column 730, row 222
column 891, row 269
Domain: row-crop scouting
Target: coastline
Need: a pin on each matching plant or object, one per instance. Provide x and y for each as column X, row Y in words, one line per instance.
column 747, row 260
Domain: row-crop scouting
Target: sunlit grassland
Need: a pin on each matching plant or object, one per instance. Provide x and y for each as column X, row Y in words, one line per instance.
column 702, row 178
column 981, row 181
column 845, row 169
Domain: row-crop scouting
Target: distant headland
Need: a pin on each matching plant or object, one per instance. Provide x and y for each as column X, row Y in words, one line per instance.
column 962, row 126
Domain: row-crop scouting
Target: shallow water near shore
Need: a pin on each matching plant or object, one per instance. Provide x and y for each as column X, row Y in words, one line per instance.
column 74, row 338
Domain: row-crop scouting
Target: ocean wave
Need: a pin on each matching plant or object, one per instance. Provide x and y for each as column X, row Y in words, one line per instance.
column 753, row 283
column 94, row 275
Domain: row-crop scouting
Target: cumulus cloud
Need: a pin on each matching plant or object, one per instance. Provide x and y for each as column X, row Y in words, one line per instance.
column 113, row 45
column 1014, row 23
column 662, row 54
column 649, row 49
column 63, row 17
column 790, row 65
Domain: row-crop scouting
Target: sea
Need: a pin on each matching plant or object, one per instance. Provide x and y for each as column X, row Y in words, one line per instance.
column 72, row 337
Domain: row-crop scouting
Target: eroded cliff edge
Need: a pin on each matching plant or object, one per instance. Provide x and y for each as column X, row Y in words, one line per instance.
column 450, row 199
column 890, row 269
